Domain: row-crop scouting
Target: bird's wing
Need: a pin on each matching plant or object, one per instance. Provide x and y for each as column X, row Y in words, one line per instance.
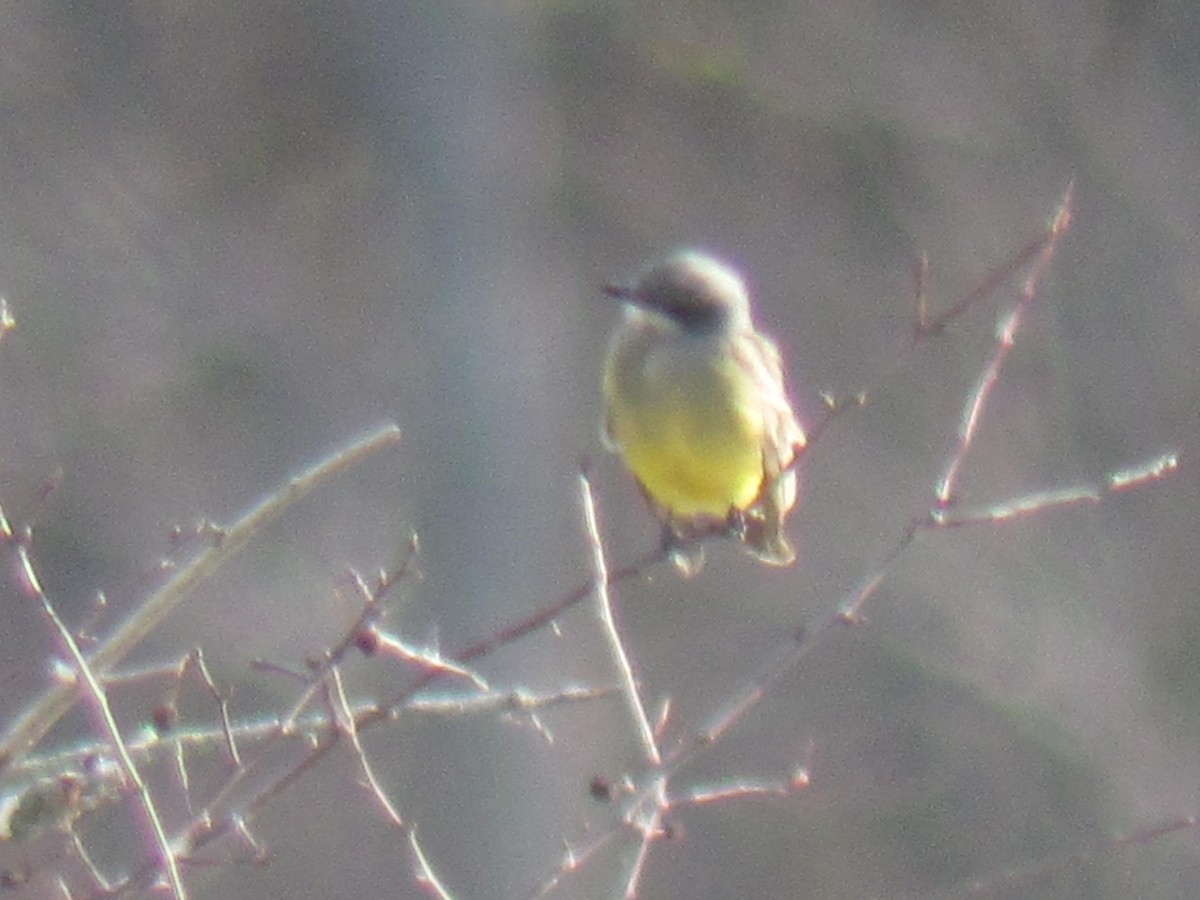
column 759, row 356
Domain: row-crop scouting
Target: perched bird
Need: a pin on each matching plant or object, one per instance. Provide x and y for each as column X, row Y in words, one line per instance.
column 696, row 406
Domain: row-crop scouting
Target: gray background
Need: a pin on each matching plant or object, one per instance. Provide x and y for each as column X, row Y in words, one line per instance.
column 235, row 235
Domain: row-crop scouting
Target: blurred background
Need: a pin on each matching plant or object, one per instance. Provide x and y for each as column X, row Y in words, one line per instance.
column 234, row 236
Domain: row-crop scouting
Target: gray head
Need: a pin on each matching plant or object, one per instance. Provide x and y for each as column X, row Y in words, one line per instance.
column 695, row 291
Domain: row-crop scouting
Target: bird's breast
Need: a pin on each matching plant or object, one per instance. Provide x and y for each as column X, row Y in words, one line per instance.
column 684, row 418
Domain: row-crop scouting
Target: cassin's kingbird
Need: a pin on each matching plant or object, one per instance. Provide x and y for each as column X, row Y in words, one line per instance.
column 696, row 405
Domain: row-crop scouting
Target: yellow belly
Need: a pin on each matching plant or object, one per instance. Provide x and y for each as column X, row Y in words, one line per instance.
column 690, row 434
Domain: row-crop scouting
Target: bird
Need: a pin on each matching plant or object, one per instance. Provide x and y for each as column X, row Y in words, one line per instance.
column 696, row 406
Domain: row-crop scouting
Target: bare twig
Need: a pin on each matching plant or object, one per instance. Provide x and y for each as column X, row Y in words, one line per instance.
column 99, row 698
column 423, row 872
column 362, row 634
column 48, row 709
column 608, row 622
column 1041, row 247
column 340, row 711
column 1042, row 253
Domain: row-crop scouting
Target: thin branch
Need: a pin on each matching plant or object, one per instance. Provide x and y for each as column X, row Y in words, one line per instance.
column 1040, row 501
column 54, row 703
column 99, row 698
column 547, row 614
column 423, row 872
column 1040, row 247
column 362, row 634
column 608, row 622
column 340, row 710
column 1005, row 341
